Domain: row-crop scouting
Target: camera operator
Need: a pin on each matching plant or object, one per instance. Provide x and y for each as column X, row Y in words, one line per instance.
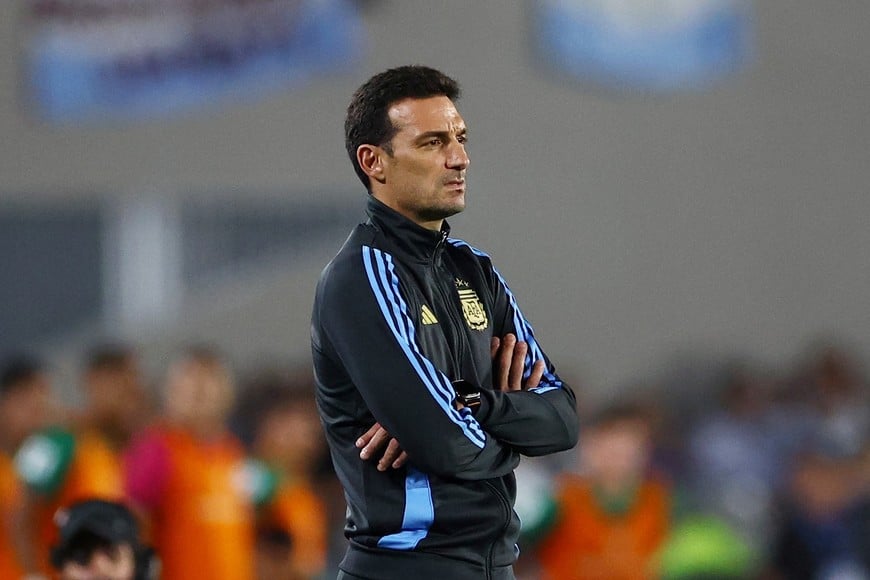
column 99, row 540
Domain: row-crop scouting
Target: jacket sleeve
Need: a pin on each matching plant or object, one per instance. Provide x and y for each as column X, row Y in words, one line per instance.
column 365, row 324
column 539, row 421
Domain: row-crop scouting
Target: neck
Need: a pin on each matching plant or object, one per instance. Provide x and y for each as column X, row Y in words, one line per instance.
column 433, row 225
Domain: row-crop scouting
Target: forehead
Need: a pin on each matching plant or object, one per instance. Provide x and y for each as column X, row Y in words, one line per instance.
column 416, row 116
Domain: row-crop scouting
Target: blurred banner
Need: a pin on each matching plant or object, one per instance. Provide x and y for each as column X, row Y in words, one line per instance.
column 657, row 45
column 92, row 60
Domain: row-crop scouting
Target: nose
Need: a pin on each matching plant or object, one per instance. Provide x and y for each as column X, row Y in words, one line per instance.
column 457, row 158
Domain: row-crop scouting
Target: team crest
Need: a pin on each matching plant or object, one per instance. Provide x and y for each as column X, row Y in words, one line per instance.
column 472, row 307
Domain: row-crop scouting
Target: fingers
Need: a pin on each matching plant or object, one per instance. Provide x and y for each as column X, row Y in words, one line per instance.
column 375, row 443
column 536, row 375
column 515, row 379
column 373, row 440
column 403, row 457
column 509, row 359
column 503, row 362
column 391, row 455
column 367, row 436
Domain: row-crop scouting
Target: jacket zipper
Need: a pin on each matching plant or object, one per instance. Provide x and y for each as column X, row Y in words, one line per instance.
column 507, row 523
column 455, row 323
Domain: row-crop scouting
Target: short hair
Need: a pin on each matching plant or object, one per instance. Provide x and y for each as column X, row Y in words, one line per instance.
column 617, row 414
column 203, row 353
column 109, row 356
column 17, row 371
column 367, row 120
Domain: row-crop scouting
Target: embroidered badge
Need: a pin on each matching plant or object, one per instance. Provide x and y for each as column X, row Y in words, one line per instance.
column 472, row 307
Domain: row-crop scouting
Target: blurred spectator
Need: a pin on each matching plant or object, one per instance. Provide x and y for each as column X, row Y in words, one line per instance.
column 292, row 524
column 100, row 540
column 839, row 398
column 188, row 476
column 613, row 516
column 24, row 402
column 57, row 465
column 824, row 529
column 117, row 404
column 823, row 532
column 733, row 459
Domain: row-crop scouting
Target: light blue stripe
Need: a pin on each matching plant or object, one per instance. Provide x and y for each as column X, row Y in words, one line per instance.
column 445, row 392
column 523, row 328
column 418, row 516
column 437, row 383
column 383, row 295
column 472, row 423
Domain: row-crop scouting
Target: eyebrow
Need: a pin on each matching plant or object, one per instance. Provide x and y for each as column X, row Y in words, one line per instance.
column 441, row 134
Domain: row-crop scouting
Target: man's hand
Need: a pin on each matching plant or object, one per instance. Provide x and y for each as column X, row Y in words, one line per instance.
column 373, row 440
column 508, row 359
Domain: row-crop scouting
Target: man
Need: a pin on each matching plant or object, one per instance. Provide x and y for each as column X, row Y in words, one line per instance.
column 407, row 323
column 57, row 466
column 117, row 404
column 99, row 540
column 286, row 439
column 188, row 476
column 613, row 515
column 25, row 395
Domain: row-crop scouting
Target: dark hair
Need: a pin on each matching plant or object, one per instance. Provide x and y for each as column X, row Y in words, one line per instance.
column 367, row 121
column 17, row 371
column 108, row 356
column 271, row 391
column 88, row 526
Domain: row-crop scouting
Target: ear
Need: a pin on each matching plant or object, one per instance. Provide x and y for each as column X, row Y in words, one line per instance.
column 371, row 160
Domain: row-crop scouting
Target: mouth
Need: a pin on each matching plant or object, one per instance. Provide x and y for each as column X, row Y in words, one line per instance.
column 455, row 184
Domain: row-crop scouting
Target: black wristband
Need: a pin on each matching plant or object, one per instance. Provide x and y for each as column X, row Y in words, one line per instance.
column 467, row 394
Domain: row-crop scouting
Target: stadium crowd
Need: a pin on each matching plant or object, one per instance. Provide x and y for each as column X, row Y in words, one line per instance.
column 748, row 474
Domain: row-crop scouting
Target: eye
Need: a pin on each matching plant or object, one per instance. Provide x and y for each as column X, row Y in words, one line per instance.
column 434, row 141
column 462, row 139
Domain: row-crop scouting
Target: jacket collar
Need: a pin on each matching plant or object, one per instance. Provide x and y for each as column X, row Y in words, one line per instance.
column 414, row 241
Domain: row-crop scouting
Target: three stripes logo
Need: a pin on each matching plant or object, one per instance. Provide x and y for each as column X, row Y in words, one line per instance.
column 428, row 316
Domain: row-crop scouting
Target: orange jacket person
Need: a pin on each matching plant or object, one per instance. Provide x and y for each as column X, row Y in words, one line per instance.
column 57, row 467
column 10, row 496
column 189, row 476
column 613, row 518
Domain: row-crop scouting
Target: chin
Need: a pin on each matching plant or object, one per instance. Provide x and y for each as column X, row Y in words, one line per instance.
column 440, row 213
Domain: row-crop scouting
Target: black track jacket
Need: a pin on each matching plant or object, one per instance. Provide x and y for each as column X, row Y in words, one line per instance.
column 399, row 313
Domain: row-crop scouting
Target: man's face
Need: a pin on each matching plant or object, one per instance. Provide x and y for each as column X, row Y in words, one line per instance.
column 26, row 409
column 198, row 392
column 617, row 453
column 110, row 562
column 117, row 391
column 424, row 175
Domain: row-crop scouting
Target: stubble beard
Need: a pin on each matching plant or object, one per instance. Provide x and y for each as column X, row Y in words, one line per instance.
column 431, row 214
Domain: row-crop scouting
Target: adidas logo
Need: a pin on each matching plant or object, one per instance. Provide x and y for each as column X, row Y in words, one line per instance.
column 428, row 316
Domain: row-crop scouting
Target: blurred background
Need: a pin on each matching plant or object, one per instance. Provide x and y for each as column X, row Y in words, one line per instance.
column 676, row 191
